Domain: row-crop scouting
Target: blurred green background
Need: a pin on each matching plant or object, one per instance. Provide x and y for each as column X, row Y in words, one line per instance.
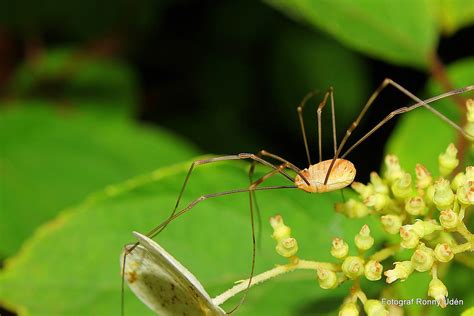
column 94, row 96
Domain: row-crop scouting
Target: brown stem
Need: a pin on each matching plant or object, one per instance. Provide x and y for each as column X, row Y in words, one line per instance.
column 438, row 72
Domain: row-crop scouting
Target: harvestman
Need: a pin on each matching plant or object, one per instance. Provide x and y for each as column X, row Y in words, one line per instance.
column 324, row 176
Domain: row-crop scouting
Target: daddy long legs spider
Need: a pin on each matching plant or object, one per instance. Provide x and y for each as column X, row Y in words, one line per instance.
column 324, row 176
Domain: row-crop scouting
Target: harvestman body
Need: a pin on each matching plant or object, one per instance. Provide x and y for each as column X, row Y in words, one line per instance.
column 324, row 176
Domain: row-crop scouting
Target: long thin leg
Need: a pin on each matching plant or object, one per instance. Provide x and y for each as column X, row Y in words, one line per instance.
column 329, row 93
column 252, row 188
column 156, row 230
column 299, row 109
column 240, row 156
column 262, row 153
column 412, row 107
column 374, row 95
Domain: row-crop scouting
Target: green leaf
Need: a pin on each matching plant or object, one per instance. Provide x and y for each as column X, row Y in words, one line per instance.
column 468, row 312
column 421, row 136
column 53, row 157
column 455, row 14
column 403, row 33
column 71, row 265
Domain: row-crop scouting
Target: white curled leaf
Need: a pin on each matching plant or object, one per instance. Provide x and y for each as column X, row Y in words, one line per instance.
column 164, row 284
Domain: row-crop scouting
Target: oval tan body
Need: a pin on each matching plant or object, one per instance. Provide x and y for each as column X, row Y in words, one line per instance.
column 342, row 174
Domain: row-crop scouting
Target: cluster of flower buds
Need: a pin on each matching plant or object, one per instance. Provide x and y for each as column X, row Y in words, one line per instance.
column 423, row 211
column 354, row 267
column 331, row 275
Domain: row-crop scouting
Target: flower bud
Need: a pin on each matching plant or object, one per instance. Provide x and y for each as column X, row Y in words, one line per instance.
column 401, row 271
column 423, row 228
column 469, row 127
column 415, row 206
column 339, row 248
column 377, row 201
column 438, row 291
column 410, row 238
column 470, row 173
column 349, row 309
column 353, row 267
column 393, row 170
column 280, row 230
column 362, row 189
column 391, row 223
column 353, row 209
column 375, row 308
column 373, row 270
column 458, row 181
column 327, row 279
column 422, row 258
column 287, row 247
column 443, row 197
column 423, row 177
column 447, row 161
column 470, row 110
column 465, row 193
column 430, row 191
column 363, row 240
column 449, row 219
column 443, row 252
column 401, row 188
column 378, row 184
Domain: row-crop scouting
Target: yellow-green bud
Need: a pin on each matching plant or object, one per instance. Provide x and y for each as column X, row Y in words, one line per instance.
column 327, row 279
column 391, row 223
column 375, row 308
column 373, row 270
column 280, row 230
column 458, row 181
column 401, row 188
column 443, row 252
column 287, row 247
column 410, row 238
column 339, row 248
column 423, row 228
column 469, row 127
column 349, row 309
column 470, row 110
column 363, row 240
column 377, row 201
column 448, row 161
column 470, row 173
column 465, row 193
column 362, row 189
column 353, row 209
column 401, row 271
column 443, row 196
column 378, row 184
column 438, row 291
column 449, row 219
column 415, row 206
column 423, row 177
column 422, row 258
column 393, row 170
column 353, row 267
column 430, row 191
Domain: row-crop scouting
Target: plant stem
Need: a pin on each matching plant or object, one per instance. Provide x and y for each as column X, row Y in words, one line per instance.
column 267, row 275
column 383, row 254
